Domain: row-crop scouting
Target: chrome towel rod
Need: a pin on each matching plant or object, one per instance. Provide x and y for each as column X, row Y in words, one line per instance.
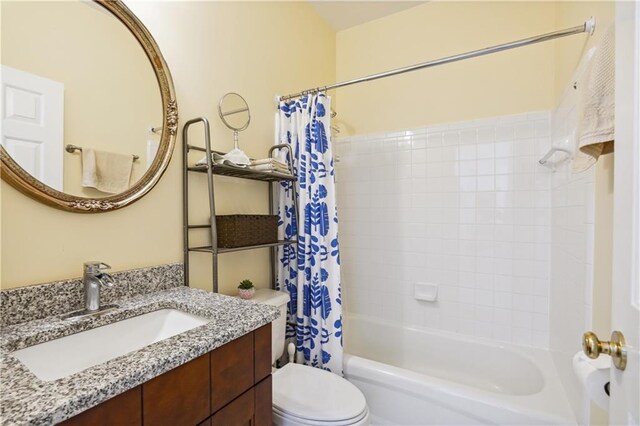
column 73, row 148
column 588, row 27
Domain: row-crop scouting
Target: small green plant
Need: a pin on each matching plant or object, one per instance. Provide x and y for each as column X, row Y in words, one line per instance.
column 245, row 285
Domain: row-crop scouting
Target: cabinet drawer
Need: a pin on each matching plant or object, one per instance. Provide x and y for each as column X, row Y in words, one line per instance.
column 179, row 396
column 231, row 371
column 262, row 342
column 238, row 413
column 121, row 410
column 263, row 402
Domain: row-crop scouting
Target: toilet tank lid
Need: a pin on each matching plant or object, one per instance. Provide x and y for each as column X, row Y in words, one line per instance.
column 271, row 297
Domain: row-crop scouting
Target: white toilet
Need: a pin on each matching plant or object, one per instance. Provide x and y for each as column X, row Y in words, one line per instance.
column 304, row 395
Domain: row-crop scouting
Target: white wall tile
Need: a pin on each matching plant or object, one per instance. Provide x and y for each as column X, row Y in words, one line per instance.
column 463, row 205
column 486, row 134
column 469, row 136
column 570, row 248
column 468, row 152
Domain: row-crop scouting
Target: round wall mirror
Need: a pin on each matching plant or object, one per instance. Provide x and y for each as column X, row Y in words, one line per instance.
column 90, row 113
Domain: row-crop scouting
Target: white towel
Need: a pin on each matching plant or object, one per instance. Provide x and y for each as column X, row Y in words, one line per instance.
column 215, row 157
column 269, row 161
column 596, row 107
column 106, row 171
column 220, row 159
column 270, row 168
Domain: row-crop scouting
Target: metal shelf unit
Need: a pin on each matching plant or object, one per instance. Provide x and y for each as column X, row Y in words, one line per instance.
column 211, row 169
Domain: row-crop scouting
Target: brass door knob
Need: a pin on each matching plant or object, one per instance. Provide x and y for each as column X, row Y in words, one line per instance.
column 593, row 347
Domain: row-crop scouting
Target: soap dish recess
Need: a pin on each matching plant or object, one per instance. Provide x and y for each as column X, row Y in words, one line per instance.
column 425, row 291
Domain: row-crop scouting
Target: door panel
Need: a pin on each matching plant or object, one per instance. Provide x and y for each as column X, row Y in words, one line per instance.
column 33, row 124
column 28, row 154
column 624, row 407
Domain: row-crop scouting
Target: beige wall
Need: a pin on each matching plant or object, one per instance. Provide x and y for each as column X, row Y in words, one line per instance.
column 32, row 41
column 257, row 49
column 603, row 262
column 527, row 79
column 519, row 80
column 569, row 50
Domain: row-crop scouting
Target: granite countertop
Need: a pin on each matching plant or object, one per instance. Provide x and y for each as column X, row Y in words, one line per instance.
column 25, row 399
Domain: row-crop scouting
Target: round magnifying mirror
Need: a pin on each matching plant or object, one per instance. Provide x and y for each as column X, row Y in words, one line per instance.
column 234, row 112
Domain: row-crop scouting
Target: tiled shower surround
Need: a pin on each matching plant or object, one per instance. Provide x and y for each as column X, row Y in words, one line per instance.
column 464, row 206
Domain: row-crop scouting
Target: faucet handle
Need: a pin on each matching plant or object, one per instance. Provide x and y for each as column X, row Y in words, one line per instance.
column 105, row 279
column 95, row 267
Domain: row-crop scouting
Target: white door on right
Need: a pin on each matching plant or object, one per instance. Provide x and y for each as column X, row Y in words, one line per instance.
column 32, row 111
column 624, row 408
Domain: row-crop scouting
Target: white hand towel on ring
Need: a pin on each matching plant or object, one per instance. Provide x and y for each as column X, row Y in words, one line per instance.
column 596, row 107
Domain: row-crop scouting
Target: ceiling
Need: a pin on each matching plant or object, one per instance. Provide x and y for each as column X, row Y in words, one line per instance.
column 345, row 14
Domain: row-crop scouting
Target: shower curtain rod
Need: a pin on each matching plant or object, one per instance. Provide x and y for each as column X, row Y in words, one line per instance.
column 588, row 27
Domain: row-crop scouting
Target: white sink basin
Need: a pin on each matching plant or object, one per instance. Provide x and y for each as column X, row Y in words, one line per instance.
column 70, row 354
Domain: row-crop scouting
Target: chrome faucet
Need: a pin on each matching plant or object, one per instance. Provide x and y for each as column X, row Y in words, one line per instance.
column 93, row 277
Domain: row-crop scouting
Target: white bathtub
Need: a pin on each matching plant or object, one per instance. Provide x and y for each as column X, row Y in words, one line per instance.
column 423, row 377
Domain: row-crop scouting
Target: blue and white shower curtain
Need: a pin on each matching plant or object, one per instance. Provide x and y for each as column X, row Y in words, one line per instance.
column 311, row 273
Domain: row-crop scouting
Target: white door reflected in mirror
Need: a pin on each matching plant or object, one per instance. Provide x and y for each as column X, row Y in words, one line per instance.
column 32, row 124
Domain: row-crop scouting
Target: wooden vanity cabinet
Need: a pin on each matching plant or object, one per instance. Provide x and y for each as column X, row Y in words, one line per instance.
column 240, row 411
column 228, row 386
column 262, row 343
column 263, row 392
column 124, row 409
column 232, row 371
column 179, row 396
column 239, row 371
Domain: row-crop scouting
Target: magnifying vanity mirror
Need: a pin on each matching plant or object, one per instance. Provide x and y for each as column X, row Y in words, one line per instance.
column 235, row 114
column 83, row 83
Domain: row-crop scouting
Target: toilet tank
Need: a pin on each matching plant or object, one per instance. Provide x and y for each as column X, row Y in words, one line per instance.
column 279, row 326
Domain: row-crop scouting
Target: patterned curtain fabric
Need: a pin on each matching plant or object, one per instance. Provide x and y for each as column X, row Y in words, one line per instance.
column 311, row 273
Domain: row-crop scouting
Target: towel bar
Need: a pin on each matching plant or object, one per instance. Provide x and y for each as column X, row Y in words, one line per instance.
column 73, row 148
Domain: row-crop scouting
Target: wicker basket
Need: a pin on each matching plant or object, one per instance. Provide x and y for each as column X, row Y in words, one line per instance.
column 241, row 230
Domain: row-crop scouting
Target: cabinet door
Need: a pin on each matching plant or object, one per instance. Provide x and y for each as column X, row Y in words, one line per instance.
column 238, row 413
column 263, row 402
column 262, row 343
column 179, row 396
column 121, row 410
column 231, row 371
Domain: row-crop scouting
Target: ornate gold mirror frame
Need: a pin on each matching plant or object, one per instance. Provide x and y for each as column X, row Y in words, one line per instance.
column 27, row 184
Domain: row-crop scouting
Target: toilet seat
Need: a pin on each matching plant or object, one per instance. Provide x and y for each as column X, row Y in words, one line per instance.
column 284, row 419
column 310, row 396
